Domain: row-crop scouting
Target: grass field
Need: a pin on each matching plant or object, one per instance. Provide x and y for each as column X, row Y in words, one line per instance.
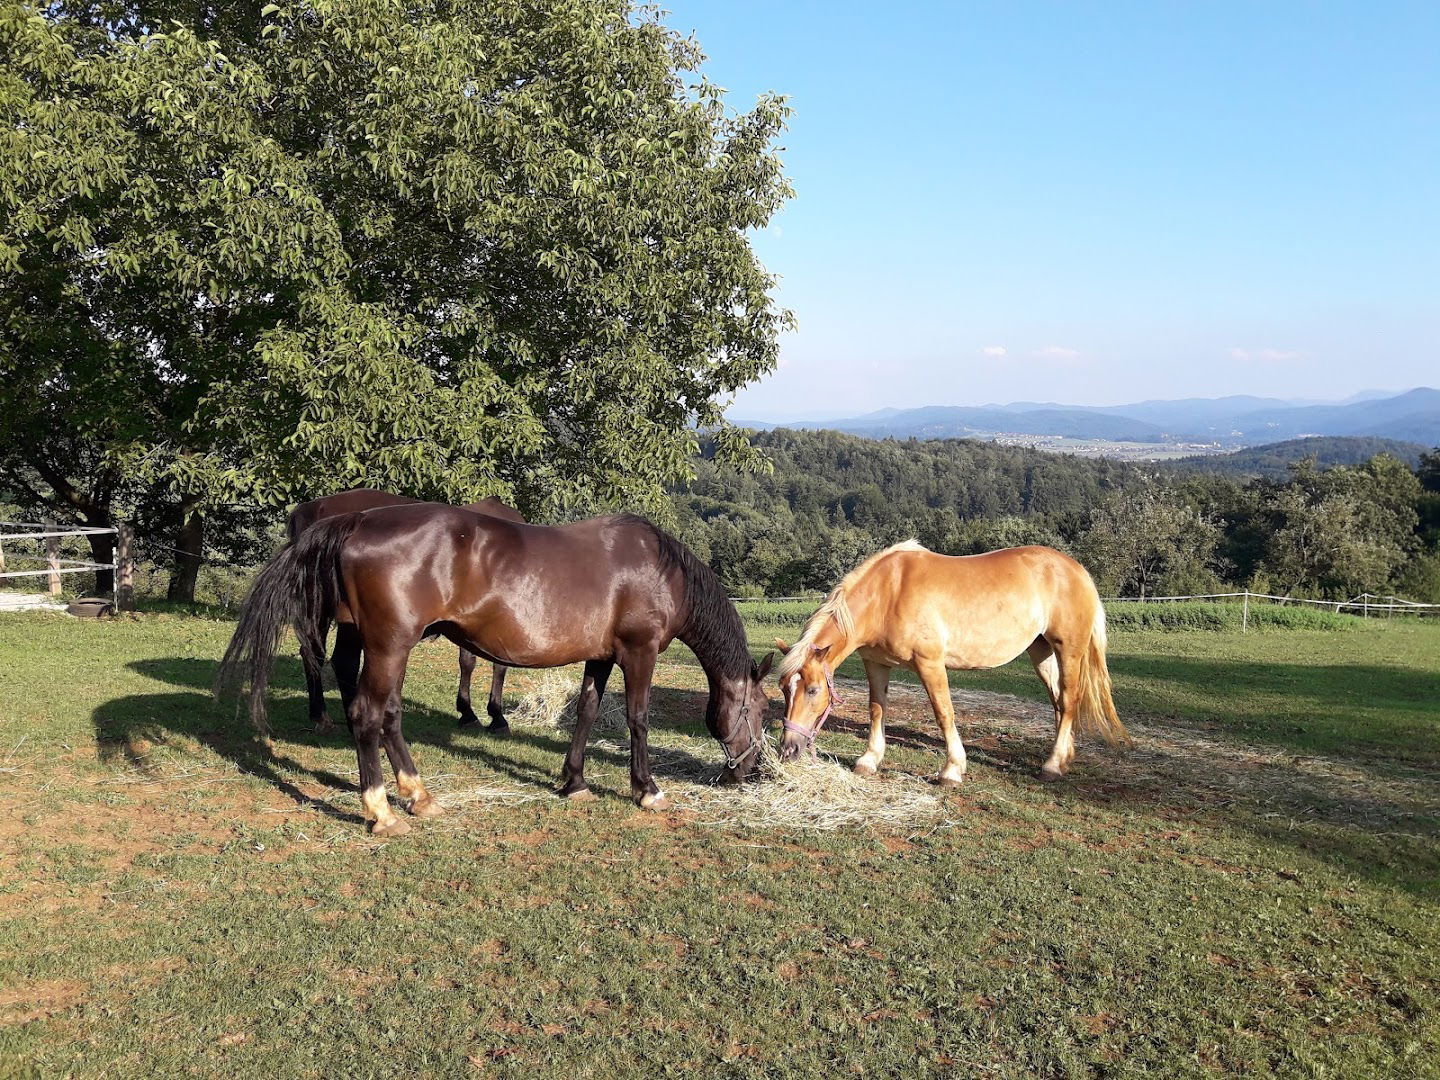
column 1254, row 889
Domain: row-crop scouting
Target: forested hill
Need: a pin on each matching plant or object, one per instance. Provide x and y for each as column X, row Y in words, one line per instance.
column 832, row 498
column 1368, row 523
column 1274, row 460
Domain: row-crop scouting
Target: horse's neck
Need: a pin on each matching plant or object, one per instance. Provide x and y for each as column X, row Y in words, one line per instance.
column 711, row 662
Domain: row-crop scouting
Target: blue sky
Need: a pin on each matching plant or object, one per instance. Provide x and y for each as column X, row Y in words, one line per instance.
column 1094, row 202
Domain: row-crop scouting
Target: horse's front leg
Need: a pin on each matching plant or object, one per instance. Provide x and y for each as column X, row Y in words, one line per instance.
column 937, row 687
column 639, row 668
column 592, row 689
column 878, row 675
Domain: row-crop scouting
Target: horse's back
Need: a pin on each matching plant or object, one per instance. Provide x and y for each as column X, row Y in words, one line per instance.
column 496, row 508
column 980, row 610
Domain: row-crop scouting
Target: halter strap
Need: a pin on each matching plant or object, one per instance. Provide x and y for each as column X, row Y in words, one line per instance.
column 734, row 762
column 809, row 734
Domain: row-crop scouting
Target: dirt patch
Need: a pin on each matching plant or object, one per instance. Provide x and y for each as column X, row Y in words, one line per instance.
column 1171, row 764
column 37, row 1000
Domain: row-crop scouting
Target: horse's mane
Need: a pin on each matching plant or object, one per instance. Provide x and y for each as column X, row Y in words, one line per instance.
column 835, row 607
column 712, row 627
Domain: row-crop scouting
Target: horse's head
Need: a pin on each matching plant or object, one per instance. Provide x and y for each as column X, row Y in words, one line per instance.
column 740, row 722
column 809, row 696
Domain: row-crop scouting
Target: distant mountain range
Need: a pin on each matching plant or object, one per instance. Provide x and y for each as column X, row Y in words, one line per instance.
column 1412, row 416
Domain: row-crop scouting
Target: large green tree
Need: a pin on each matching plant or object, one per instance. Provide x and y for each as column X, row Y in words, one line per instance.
column 250, row 255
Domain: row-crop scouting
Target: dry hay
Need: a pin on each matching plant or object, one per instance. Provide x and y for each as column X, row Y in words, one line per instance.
column 818, row 795
column 550, row 700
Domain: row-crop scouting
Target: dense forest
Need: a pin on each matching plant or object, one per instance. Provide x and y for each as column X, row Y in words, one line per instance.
column 1142, row 530
column 1275, row 459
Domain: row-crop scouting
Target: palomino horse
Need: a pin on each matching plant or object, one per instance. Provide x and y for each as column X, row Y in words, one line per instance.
column 909, row 607
column 607, row 591
column 312, row 653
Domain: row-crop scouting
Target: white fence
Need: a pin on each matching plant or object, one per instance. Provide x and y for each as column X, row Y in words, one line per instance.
column 25, row 534
column 1366, row 605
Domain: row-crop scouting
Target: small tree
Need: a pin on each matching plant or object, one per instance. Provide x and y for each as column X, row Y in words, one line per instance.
column 1144, row 539
column 1342, row 531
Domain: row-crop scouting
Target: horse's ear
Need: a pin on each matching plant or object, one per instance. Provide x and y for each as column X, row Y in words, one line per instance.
column 764, row 668
column 820, row 651
column 781, row 646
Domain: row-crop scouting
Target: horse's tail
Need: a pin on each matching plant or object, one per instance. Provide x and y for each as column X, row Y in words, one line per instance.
column 301, row 586
column 1097, row 708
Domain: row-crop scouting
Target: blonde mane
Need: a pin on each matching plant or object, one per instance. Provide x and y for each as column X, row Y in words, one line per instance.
column 836, row 608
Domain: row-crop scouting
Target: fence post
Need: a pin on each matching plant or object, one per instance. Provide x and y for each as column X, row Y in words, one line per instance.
column 1245, row 614
column 52, row 558
column 124, row 567
column 1365, row 605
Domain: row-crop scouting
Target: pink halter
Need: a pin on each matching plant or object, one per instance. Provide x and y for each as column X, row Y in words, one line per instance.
column 809, row 735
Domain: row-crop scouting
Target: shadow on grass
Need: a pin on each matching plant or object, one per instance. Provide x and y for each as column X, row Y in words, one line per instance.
column 124, row 723
column 1369, row 807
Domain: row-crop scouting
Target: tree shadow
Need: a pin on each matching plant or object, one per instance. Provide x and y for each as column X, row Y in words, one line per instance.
column 123, row 724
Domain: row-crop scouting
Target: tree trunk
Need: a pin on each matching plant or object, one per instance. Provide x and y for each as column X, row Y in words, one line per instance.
column 102, row 550
column 189, row 545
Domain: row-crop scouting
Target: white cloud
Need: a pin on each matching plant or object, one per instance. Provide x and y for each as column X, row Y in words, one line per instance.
column 1059, row 353
column 1266, row 356
column 994, row 350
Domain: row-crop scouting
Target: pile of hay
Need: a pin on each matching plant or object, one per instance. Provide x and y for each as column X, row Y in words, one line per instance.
column 817, row 795
column 550, row 701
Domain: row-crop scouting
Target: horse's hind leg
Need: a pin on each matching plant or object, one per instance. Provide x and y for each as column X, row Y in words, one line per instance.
column 495, row 707
column 937, row 686
column 1064, row 698
column 376, row 701
column 312, row 654
column 346, row 662
column 592, row 689
column 462, row 695
column 878, row 675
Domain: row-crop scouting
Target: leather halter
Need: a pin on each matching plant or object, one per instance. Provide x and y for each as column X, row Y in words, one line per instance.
column 809, row 734
column 755, row 744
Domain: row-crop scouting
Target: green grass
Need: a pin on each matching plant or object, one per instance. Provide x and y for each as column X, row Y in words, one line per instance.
column 1253, row 891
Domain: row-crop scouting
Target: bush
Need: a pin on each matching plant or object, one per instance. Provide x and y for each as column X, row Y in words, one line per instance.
column 1203, row 615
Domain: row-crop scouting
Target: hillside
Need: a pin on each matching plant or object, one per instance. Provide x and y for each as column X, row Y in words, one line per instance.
column 1274, row 460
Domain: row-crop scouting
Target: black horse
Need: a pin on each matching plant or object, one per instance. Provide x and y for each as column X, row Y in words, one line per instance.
column 312, row 650
column 607, row 591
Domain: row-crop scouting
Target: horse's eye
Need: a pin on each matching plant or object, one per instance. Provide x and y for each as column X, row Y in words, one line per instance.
column 812, row 691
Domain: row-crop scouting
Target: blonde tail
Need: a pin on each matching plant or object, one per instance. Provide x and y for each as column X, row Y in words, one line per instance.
column 1097, row 709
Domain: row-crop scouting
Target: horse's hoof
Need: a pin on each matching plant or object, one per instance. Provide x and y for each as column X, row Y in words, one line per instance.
column 324, row 727
column 426, row 807
column 392, row 827
column 500, row 731
column 657, row 802
column 864, row 768
column 1049, row 775
column 948, row 781
column 468, row 721
column 583, row 794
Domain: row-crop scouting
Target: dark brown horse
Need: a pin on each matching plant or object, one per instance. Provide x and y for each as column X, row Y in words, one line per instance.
column 607, row 591
column 312, row 652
